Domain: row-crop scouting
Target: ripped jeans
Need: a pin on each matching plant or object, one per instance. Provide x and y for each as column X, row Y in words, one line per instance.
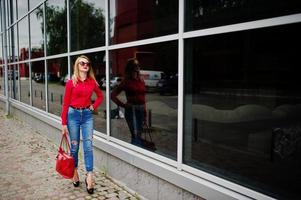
column 81, row 119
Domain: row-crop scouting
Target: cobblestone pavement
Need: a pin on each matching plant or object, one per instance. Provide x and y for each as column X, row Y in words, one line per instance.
column 27, row 168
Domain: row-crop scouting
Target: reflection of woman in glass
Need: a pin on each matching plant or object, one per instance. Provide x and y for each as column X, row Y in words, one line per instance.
column 135, row 110
column 77, row 114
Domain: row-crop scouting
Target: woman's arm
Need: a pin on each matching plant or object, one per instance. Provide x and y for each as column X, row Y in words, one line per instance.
column 99, row 98
column 116, row 92
column 66, row 102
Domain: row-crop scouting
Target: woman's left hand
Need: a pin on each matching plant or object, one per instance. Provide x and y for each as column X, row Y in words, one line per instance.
column 91, row 107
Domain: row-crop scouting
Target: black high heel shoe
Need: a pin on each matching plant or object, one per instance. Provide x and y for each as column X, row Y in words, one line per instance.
column 89, row 190
column 75, row 183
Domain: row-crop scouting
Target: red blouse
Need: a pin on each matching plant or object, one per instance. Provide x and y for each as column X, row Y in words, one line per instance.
column 134, row 90
column 79, row 96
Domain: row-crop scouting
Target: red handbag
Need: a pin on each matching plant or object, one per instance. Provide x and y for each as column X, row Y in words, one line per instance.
column 64, row 160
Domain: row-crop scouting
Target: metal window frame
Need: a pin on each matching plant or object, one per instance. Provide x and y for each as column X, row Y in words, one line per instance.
column 177, row 166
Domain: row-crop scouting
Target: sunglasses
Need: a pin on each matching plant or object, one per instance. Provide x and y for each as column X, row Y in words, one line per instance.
column 82, row 63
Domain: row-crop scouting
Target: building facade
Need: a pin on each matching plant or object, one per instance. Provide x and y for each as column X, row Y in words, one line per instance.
column 223, row 88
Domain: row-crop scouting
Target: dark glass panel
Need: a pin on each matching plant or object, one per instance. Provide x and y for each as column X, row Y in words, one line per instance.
column 201, row 14
column 135, row 20
column 243, row 108
column 2, row 80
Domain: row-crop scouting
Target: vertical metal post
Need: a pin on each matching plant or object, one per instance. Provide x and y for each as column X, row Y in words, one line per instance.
column 19, row 77
column 107, row 56
column 7, row 105
column 12, row 41
column 68, row 38
column 29, row 57
column 180, row 85
column 45, row 54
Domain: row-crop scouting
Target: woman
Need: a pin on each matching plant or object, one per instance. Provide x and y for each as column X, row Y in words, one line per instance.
column 135, row 109
column 77, row 114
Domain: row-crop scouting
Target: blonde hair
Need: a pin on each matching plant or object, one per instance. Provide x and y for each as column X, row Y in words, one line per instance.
column 75, row 75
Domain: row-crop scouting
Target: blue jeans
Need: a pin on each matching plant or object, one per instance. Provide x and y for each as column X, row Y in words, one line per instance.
column 81, row 120
column 134, row 116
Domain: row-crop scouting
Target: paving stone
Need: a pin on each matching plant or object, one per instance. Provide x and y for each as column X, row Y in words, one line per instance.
column 28, row 168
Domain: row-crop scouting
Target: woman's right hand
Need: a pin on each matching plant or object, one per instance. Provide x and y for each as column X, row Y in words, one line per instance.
column 64, row 130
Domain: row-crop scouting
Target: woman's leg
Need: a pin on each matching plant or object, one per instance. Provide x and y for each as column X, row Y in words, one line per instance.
column 139, row 118
column 87, row 135
column 74, row 133
column 128, row 114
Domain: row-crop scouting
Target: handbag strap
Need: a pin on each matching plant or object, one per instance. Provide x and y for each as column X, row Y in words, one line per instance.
column 64, row 138
column 147, row 131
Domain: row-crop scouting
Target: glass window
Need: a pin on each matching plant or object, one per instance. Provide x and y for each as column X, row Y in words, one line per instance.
column 14, row 8
column 23, row 39
column 87, row 24
column 38, row 84
column 0, row 20
column 34, row 3
column 98, row 63
column 242, row 117
column 36, row 33
column 9, row 45
column 209, row 13
column 24, row 82
column 56, row 27
column 2, row 69
column 15, row 43
column 22, row 6
column 13, row 81
column 135, row 20
column 57, row 77
column 2, row 80
column 158, row 69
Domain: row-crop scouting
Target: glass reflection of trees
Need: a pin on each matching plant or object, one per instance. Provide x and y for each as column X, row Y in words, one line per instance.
column 87, row 25
column 36, row 33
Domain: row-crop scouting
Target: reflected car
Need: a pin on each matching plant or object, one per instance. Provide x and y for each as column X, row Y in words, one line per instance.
column 168, row 85
column 40, row 77
column 64, row 79
column 10, row 74
column 115, row 81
